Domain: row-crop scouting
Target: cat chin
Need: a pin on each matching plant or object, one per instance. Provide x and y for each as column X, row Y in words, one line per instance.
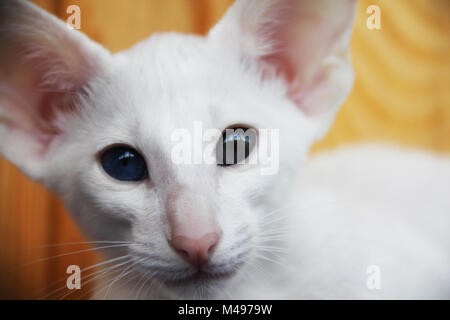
column 200, row 285
column 197, row 287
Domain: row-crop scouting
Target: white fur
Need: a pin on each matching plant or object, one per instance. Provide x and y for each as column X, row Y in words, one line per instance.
column 352, row 208
column 340, row 217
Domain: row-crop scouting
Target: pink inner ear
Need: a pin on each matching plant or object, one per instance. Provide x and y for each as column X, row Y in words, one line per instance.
column 43, row 88
column 284, row 57
column 43, row 67
column 32, row 109
column 293, row 39
column 46, row 122
column 53, row 104
column 278, row 63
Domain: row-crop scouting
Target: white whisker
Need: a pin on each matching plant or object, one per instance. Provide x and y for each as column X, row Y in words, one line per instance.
column 84, row 277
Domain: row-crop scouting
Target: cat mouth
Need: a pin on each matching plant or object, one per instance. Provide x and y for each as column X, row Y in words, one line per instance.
column 210, row 273
column 200, row 277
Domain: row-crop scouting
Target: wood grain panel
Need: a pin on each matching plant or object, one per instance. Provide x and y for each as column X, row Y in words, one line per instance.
column 402, row 71
column 400, row 95
column 119, row 24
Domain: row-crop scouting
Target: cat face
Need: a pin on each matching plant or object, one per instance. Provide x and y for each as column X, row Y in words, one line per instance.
column 101, row 129
column 231, row 201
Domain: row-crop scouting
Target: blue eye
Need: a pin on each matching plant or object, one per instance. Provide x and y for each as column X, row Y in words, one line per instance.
column 235, row 146
column 124, row 164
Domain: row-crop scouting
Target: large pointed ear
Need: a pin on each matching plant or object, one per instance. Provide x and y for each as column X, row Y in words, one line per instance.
column 44, row 67
column 304, row 41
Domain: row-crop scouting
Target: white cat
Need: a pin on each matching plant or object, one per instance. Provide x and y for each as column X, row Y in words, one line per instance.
column 359, row 222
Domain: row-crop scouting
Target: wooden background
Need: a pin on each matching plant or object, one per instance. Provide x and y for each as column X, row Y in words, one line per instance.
column 401, row 95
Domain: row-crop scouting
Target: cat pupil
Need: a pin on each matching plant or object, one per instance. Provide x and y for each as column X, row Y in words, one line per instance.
column 124, row 158
column 236, row 145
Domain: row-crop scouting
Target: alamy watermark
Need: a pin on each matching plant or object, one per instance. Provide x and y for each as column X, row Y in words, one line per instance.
column 374, row 20
column 374, row 277
column 74, row 20
column 234, row 146
column 74, row 280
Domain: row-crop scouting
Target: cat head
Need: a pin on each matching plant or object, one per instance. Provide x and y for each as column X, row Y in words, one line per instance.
column 104, row 130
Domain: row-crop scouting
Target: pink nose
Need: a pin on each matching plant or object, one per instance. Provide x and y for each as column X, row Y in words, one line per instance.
column 196, row 251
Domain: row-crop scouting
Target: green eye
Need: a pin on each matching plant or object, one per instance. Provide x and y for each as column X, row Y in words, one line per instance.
column 235, row 146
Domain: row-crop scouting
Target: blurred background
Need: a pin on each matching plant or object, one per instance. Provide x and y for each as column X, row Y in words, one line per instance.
column 401, row 95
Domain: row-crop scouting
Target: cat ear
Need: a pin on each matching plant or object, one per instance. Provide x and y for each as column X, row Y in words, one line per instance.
column 306, row 42
column 44, row 67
